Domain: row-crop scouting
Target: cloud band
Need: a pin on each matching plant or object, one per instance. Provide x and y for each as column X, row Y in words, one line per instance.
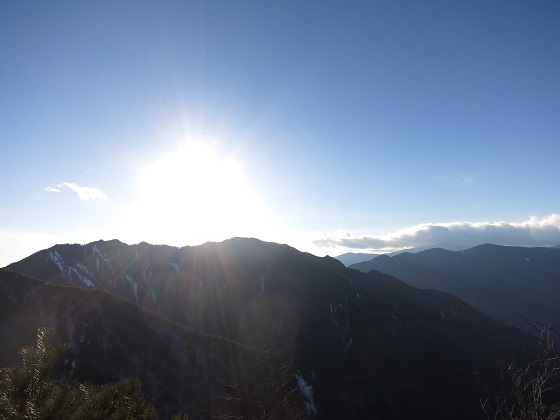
column 532, row 232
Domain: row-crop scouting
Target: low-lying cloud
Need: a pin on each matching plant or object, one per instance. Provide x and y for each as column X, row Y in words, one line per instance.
column 83, row 193
column 532, row 232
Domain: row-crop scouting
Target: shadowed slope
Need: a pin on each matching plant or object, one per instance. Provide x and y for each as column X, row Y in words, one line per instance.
column 368, row 345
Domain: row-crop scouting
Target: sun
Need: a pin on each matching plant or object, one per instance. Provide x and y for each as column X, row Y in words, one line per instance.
column 195, row 194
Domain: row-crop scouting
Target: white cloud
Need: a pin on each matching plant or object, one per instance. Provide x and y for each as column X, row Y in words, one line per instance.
column 535, row 231
column 52, row 189
column 85, row 193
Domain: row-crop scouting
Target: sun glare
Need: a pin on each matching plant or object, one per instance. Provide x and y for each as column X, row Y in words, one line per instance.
column 194, row 195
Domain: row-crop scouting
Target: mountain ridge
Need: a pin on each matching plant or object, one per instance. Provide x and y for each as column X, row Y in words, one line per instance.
column 104, row 348
column 364, row 342
column 505, row 281
column 351, row 258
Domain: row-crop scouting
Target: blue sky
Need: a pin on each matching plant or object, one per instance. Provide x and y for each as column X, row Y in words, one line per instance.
column 327, row 125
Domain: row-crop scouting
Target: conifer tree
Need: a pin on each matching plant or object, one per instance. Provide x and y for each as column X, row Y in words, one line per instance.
column 29, row 392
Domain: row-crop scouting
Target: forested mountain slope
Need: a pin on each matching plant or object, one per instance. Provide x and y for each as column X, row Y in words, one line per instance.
column 367, row 345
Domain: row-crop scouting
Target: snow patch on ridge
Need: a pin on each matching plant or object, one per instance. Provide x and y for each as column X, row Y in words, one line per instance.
column 349, row 344
column 82, row 268
column 57, row 259
column 143, row 262
column 263, row 278
column 83, row 278
column 96, row 250
column 307, row 392
column 134, row 286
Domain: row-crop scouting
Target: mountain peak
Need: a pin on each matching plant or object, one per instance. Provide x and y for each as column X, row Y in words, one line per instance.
column 333, row 323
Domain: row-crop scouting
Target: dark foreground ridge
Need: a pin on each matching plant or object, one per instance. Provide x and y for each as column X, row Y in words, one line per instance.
column 188, row 320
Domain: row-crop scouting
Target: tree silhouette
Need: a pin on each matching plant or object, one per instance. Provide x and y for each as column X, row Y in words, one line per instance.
column 29, row 392
column 528, row 391
column 265, row 389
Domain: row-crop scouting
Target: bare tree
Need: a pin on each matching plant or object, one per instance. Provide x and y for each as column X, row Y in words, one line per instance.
column 528, row 391
column 264, row 389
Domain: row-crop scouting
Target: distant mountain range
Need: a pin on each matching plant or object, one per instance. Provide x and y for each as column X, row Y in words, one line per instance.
column 195, row 323
column 506, row 282
column 350, row 258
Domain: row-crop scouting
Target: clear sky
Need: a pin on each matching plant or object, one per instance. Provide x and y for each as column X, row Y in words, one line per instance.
column 327, row 125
